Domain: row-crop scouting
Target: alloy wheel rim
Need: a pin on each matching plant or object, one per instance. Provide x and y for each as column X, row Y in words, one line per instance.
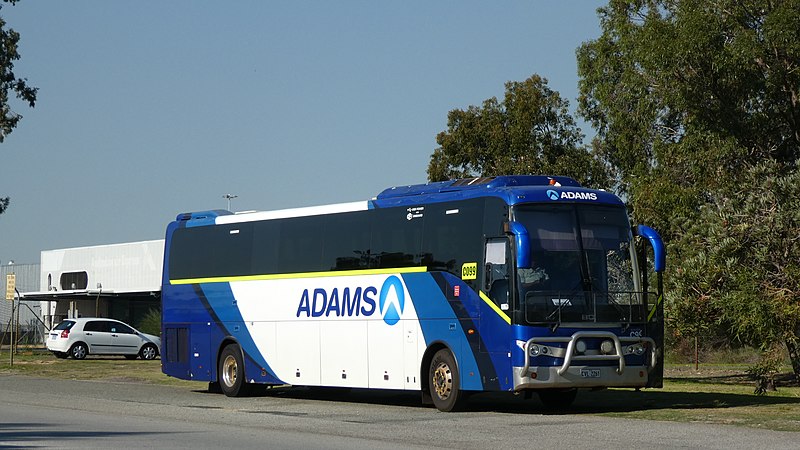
column 229, row 371
column 443, row 381
column 149, row 352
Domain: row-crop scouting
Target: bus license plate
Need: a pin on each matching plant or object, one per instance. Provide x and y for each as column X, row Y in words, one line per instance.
column 590, row 373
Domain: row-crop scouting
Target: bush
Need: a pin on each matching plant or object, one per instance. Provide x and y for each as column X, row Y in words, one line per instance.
column 151, row 323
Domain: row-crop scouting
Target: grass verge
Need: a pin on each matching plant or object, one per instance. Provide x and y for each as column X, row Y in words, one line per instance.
column 105, row 368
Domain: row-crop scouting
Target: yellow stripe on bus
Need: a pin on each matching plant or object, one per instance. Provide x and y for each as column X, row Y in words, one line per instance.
column 491, row 304
column 655, row 307
column 291, row 276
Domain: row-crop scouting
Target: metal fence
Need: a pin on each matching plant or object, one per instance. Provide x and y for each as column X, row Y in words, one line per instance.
column 30, row 329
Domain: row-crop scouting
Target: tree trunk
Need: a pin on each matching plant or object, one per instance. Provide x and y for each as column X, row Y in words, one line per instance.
column 794, row 353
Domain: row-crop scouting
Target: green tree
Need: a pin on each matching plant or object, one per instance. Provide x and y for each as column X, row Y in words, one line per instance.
column 529, row 132
column 744, row 260
column 690, row 99
column 9, row 83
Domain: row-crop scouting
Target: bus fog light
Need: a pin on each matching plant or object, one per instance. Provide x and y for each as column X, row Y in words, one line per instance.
column 533, row 350
column 580, row 347
column 638, row 350
column 607, row 347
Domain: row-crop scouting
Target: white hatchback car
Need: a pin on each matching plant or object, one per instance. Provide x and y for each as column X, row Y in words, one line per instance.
column 96, row 336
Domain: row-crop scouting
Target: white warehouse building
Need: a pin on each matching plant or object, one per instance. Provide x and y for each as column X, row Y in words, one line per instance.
column 121, row 281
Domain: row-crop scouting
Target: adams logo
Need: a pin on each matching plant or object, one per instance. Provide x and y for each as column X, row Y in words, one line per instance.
column 567, row 195
column 392, row 300
column 354, row 302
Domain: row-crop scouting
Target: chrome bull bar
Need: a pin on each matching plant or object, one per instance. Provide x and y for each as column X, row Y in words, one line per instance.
column 570, row 356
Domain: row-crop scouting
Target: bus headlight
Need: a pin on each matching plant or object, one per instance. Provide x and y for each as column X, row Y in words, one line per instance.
column 637, row 349
column 580, row 347
column 533, row 350
column 607, row 347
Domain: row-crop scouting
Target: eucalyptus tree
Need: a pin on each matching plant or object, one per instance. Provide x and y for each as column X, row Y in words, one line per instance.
column 529, row 132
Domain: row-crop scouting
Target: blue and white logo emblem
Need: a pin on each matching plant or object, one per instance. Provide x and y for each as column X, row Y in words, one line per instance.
column 553, row 195
column 392, row 300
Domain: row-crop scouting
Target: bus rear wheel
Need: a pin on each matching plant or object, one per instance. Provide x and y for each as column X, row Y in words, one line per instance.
column 443, row 382
column 231, row 372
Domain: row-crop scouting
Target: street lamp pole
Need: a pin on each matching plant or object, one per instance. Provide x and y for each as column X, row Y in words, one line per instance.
column 229, row 197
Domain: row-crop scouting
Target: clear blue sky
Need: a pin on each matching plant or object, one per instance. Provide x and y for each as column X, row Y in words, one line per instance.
column 149, row 109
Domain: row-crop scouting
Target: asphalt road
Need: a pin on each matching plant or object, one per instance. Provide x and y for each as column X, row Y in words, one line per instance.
column 39, row 413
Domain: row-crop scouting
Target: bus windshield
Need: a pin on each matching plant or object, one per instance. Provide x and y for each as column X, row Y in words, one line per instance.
column 583, row 266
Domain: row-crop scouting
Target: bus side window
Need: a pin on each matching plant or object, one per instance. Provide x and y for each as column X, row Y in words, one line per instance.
column 496, row 273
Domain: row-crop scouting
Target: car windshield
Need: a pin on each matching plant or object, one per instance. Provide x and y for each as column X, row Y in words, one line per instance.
column 582, row 269
column 65, row 325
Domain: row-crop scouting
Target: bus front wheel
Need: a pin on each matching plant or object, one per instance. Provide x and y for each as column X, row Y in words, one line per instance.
column 231, row 372
column 443, row 382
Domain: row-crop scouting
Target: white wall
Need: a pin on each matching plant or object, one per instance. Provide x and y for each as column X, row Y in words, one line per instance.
column 129, row 267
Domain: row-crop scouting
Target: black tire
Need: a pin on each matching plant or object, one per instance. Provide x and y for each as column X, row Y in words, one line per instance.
column 443, row 382
column 230, row 372
column 60, row 355
column 558, row 399
column 79, row 350
column 148, row 352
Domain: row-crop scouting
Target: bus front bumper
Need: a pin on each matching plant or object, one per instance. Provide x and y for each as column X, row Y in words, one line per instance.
column 579, row 377
column 607, row 365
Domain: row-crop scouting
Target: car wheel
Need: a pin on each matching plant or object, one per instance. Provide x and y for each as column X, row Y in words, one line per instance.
column 148, row 352
column 443, row 382
column 79, row 350
column 231, row 372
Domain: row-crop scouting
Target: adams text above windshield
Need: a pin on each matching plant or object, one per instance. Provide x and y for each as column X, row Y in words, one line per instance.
column 582, row 266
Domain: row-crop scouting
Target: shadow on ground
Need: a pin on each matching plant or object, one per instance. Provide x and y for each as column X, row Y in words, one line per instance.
column 781, row 379
column 29, row 435
column 589, row 402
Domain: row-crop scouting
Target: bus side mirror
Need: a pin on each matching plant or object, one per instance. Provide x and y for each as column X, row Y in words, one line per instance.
column 659, row 252
column 523, row 242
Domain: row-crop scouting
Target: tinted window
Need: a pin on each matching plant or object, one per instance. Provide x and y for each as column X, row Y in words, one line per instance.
column 396, row 237
column 64, row 325
column 213, row 251
column 188, row 253
column 73, row 280
column 453, row 235
column 117, row 327
column 347, row 238
column 300, row 248
column 233, row 245
column 266, row 239
column 96, row 326
column 495, row 216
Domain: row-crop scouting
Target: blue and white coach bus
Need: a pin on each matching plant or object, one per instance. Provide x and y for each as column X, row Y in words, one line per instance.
column 513, row 283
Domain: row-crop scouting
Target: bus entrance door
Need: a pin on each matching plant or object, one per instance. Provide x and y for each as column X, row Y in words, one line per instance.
column 495, row 327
